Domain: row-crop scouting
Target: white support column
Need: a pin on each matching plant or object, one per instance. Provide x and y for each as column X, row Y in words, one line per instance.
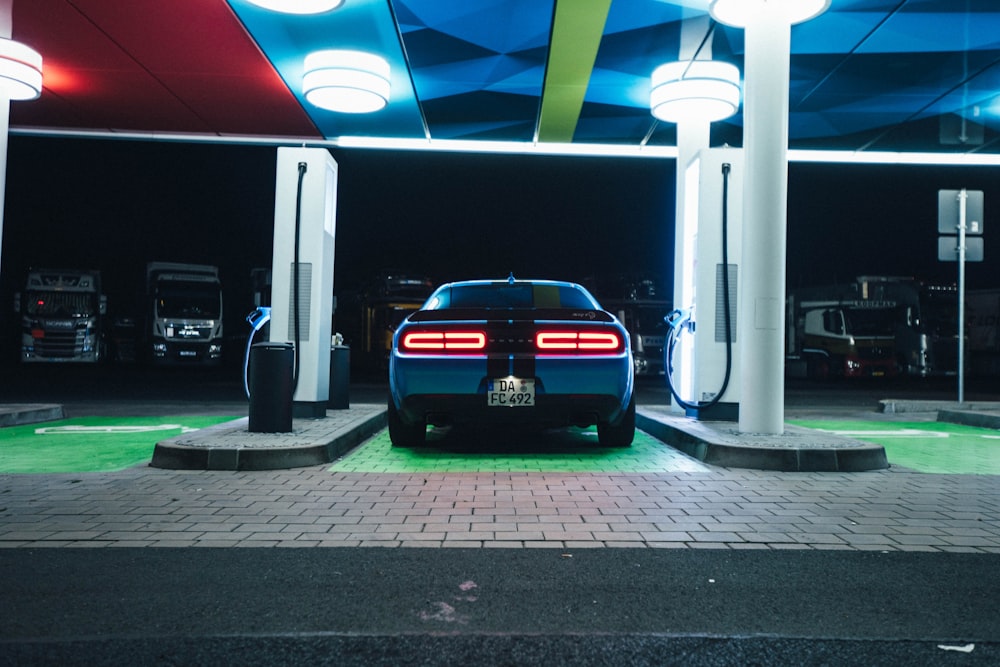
column 765, row 195
column 6, row 10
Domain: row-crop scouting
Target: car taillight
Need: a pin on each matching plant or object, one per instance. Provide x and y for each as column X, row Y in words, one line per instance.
column 443, row 341
column 594, row 342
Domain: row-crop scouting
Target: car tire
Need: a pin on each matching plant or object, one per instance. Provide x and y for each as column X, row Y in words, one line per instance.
column 402, row 434
column 621, row 432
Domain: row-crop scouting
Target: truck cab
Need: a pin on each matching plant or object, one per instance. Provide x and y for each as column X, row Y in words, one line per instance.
column 185, row 313
column 62, row 316
column 849, row 340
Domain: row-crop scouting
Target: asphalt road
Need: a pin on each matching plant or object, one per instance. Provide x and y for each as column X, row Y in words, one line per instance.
column 496, row 607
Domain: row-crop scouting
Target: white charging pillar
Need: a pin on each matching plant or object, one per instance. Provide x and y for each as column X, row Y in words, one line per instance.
column 305, row 190
column 702, row 355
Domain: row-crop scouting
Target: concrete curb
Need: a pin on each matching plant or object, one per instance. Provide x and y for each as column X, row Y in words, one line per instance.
column 796, row 450
column 970, row 418
column 899, row 406
column 17, row 415
column 230, row 446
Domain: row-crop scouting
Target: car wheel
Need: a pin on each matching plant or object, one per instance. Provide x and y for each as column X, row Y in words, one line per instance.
column 621, row 432
column 402, row 434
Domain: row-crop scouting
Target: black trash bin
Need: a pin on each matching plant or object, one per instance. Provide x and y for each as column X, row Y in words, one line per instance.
column 340, row 377
column 270, row 383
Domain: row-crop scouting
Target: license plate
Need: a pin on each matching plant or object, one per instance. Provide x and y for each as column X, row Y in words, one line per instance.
column 510, row 392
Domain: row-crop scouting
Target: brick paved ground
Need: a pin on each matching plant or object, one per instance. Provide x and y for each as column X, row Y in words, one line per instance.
column 315, row 507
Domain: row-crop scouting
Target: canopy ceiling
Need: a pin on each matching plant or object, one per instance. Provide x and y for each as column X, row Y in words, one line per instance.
column 868, row 75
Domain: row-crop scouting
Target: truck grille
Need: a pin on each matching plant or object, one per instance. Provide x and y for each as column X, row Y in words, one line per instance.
column 59, row 344
column 875, row 352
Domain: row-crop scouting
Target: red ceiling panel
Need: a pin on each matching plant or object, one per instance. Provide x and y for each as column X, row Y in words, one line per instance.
column 152, row 66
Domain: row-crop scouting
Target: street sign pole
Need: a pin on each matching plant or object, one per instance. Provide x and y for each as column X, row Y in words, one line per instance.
column 960, row 240
column 963, row 196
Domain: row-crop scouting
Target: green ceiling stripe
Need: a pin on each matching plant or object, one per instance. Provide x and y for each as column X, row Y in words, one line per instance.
column 576, row 36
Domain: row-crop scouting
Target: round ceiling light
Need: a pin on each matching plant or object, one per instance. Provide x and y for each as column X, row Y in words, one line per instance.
column 346, row 81
column 739, row 13
column 298, row 6
column 20, row 71
column 706, row 90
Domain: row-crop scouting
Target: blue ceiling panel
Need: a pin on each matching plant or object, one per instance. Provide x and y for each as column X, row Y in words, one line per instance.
column 912, row 31
column 609, row 124
column 478, row 67
column 483, row 115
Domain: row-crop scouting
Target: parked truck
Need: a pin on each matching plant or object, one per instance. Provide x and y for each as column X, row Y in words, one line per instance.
column 638, row 302
column 875, row 326
column 184, row 313
column 387, row 299
column 62, row 316
column 835, row 331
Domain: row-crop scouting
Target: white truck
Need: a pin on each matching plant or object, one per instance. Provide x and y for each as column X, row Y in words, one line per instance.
column 836, row 332
column 876, row 326
column 62, row 316
column 184, row 313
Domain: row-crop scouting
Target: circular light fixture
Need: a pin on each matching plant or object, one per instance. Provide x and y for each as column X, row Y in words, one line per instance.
column 706, row 90
column 346, row 81
column 298, row 6
column 738, row 13
column 20, row 71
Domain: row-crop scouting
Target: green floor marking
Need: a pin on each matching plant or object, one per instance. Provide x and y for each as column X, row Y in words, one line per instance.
column 565, row 451
column 931, row 447
column 90, row 444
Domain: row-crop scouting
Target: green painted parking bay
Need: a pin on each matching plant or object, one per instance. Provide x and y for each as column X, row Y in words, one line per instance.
column 930, row 447
column 90, row 444
column 568, row 450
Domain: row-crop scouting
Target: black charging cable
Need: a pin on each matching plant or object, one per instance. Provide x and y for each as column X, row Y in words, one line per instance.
column 295, row 276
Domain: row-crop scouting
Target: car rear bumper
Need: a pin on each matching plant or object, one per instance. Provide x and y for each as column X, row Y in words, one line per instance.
column 568, row 390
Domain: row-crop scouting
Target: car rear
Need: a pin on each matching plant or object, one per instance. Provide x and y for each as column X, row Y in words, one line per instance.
column 540, row 353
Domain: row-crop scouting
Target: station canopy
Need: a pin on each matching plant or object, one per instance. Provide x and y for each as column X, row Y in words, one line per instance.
column 869, row 76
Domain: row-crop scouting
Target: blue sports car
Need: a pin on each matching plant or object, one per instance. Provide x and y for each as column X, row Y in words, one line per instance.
column 533, row 352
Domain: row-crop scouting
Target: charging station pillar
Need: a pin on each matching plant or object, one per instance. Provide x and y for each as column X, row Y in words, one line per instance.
column 704, row 350
column 305, row 201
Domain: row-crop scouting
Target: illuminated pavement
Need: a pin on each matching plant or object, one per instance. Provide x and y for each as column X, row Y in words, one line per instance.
column 570, row 495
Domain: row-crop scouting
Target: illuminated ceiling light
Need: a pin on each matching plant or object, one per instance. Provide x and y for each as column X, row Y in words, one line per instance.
column 20, row 71
column 738, row 13
column 346, row 81
column 298, row 6
column 705, row 90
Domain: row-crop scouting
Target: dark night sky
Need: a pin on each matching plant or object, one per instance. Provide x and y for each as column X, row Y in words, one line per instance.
column 115, row 205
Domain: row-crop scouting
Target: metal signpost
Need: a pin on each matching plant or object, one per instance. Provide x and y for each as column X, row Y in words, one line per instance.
column 960, row 214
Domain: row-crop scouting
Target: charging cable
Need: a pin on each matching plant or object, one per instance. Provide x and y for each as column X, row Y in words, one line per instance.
column 679, row 321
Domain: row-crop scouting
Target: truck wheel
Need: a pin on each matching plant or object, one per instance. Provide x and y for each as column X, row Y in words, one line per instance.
column 402, row 434
column 619, row 433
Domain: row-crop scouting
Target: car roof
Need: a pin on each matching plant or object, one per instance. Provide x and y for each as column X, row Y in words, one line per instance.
column 508, row 281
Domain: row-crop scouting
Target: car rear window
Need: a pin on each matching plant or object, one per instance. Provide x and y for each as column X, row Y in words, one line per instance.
column 506, row 295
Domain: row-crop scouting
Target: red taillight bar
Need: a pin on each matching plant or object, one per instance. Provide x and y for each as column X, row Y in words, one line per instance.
column 578, row 341
column 455, row 341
